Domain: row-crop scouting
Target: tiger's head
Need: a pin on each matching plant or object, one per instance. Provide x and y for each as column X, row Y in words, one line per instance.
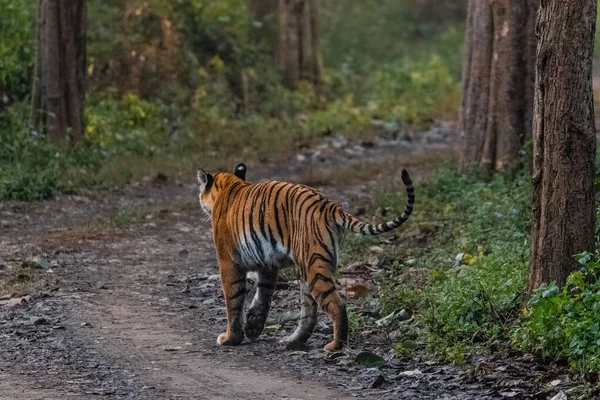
column 211, row 186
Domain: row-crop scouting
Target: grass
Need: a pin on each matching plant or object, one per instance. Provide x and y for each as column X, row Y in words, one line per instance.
column 458, row 268
column 16, row 280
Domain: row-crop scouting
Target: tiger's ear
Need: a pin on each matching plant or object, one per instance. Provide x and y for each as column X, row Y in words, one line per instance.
column 204, row 180
column 240, row 171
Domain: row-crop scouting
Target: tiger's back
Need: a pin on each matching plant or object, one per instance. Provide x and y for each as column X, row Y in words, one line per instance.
column 271, row 222
column 271, row 225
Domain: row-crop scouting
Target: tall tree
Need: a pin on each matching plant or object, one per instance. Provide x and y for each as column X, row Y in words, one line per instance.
column 60, row 68
column 563, row 221
column 298, row 41
column 498, row 80
column 294, row 42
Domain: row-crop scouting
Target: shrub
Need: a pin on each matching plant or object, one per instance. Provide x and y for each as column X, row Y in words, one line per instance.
column 565, row 322
column 415, row 92
column 16, row 50
column 128, row 124
column 476, row 256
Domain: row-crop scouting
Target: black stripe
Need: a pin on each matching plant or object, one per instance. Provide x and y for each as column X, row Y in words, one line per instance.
column 265, row 285
column 315, row 257
column 319, row 277
column 323, row 295
column 239, row 293
column 257, row 245
column 276, row 212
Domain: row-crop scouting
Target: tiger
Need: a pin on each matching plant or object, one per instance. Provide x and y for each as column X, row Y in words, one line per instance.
column 264, row 227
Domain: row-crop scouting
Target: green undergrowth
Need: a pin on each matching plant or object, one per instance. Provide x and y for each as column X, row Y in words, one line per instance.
column 452, row 282
column 465, row 255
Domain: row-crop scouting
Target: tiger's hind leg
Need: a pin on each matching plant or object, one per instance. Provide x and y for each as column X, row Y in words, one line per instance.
column 256, row 316
column 233, row 280
column 322, row 288
column 308, row 317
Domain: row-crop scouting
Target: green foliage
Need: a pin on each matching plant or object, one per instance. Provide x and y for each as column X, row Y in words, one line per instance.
column 363, row 34
column 565, row 322
column 170, row 83
column 33, row 169
column 16, row 50
column 128, row 124
column 414, row 92
column 476, row 260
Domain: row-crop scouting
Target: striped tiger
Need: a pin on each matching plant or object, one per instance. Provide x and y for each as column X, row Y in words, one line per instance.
column 264, row 227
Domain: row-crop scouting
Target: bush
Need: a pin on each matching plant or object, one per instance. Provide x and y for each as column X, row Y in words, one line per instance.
column 16, row 50
column 415, row 92
column 476, row 256
column 565, row 323
column 33, row 169
column 125, row 125
column 174, row 82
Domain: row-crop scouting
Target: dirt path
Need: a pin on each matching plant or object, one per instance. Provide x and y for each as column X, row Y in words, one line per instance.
column 136, row 308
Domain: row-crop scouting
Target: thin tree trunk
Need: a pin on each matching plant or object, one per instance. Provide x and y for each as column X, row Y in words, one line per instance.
column 60, row 70
column 298, row 50
column 498, row 82
column 563, row 220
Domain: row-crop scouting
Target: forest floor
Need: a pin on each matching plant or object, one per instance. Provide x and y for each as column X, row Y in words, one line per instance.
column 127, row 303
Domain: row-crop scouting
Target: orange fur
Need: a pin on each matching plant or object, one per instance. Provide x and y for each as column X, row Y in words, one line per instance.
column 271, row 225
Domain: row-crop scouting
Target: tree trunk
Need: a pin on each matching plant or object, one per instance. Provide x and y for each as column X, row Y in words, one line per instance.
column 60, row 68
column 563, row 220
column 498, row 80
column 264, row 23
column 298, row 43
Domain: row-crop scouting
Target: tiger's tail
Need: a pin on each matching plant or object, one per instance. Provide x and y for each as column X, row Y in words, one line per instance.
column 350, row 222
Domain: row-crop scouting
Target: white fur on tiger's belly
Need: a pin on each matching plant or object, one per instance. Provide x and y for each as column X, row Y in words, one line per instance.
column 272, row 256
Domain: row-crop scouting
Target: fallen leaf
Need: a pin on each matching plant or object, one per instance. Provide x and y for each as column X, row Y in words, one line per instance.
column 15, row 301
column 560, row 396
column 274, row 327
column 385, row 321
column 369, row 360
column 414, row 372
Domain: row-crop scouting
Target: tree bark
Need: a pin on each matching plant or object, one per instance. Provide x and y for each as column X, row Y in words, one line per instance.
column 563, row 220
column 298, row 43
column 60, row 69
column 498, row 81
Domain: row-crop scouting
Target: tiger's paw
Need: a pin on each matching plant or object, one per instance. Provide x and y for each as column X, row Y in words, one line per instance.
column 293, row 344
column 333, row 346
column 255, row 323
column 227, row 339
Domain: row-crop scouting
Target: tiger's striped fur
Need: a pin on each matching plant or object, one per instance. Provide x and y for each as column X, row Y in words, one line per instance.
column 267, row 226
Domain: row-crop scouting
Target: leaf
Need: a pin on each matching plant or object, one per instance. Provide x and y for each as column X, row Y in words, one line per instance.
column 15, row 301
column 415, row 372
column 470, row 259
column 274, row 327
column 550, row 292
column 386, row 320
column 409, row 344
column 369, row 360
